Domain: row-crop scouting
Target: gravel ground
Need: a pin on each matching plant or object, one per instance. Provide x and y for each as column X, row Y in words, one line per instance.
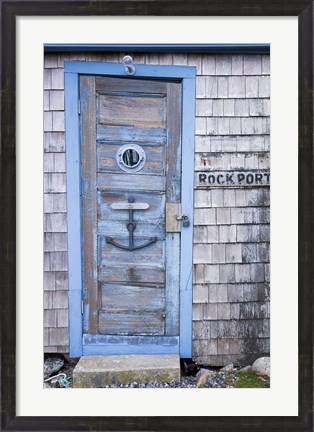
column 216, row 378
column 186, row 382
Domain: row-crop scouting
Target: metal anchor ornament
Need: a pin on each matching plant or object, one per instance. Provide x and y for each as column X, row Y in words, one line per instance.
column 131, row 225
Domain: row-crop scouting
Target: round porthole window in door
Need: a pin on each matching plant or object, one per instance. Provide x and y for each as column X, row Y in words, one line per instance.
column 131, row 158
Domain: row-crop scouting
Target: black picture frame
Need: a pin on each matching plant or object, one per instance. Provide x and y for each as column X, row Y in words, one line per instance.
column 9, row 11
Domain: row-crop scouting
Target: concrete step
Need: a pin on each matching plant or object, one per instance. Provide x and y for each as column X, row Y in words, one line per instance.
column 99, row 371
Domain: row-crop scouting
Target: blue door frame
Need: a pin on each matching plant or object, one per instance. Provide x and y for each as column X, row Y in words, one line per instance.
column 187, row 75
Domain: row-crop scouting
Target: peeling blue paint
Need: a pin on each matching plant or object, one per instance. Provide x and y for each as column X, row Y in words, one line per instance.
column 73, row 210
column 186, row 75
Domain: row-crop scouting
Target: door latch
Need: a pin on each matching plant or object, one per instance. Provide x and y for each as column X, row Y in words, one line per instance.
column 185, row 220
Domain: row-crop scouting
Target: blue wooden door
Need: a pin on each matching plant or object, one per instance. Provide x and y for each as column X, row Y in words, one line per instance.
column 131, row 195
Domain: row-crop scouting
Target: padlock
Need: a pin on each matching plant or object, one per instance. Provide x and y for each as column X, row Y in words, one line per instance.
column 185, row 221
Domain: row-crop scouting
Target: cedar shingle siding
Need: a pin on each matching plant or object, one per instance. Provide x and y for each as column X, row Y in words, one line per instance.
column 231, row 226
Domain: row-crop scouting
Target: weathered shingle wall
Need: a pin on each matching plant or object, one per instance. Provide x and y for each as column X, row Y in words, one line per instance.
column 231, row 237
column 55, row 219
column 231, row 234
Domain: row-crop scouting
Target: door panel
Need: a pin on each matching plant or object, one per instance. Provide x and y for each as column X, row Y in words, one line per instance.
column 153, row 136
column 128, row 182
column 135, row 291
column 157, row 203
column 132, row 274
column 133, row 323
column 116, row 298
column 128, row 111
column 111, row 255
column 113, row 85
column 107, row 163
column 115, row 229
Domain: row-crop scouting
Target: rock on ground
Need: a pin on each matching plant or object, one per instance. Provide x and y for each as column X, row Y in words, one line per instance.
column 52, row 365
column 246, row 368
column 229, row 367
column 203, row 379
column 262, row 365
column 201, row 372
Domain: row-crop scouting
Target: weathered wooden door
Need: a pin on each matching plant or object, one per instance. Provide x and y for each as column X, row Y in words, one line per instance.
column 131, row 194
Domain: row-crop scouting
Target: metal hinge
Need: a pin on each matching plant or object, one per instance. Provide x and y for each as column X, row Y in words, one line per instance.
column 82, row 307
column 79, row 106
